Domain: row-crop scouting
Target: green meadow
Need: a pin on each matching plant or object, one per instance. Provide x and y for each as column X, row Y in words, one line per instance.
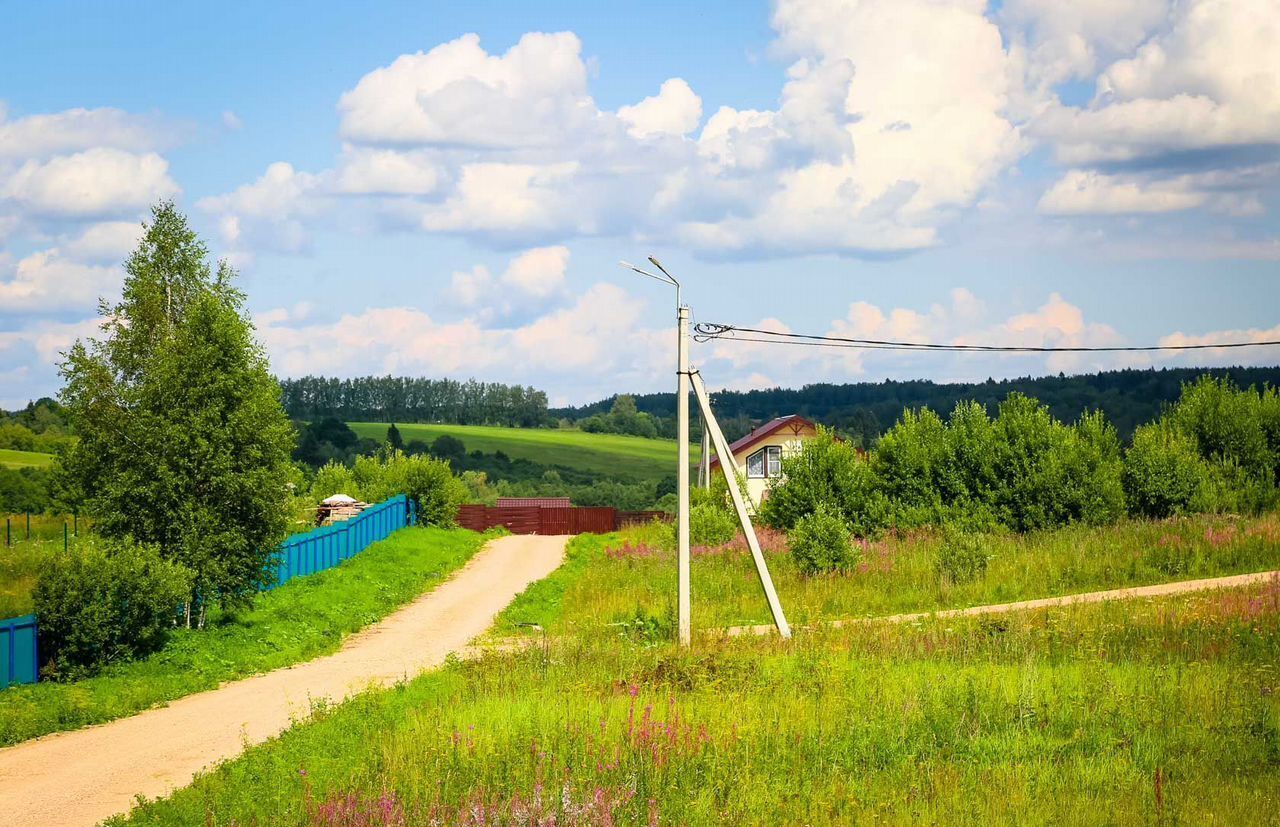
column 628, row 578
column 10, row 458
column 1140, row 712
column 615, row 455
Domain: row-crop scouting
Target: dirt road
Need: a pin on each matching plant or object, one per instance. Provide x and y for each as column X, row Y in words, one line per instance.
column 85, row 776
column 1158, row 590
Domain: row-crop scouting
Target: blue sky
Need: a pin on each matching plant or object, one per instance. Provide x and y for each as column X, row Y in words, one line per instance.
column 401, row 196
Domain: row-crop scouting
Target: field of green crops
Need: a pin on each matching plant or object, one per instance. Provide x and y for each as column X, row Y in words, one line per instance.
column 9, row 458
column 620, row 457
column 1140, row 712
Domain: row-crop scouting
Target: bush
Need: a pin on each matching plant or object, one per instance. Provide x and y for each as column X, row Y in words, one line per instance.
column 334, row 478
column 712, row 520
column 434, row 489
column 1163, row 473
column 1227, row 425
column 710, row 525
column 1093, row 471
column 911, row 460
column 820, row 543
column 827, row 472
column 963, row 556
column 103, row 603
column 382, row 476
column 1233, row 490
column 1030, row 450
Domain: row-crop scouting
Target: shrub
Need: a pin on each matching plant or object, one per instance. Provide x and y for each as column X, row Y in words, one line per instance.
column 1093, row 471
column 827, row 472
column 712, row 520
column 1163, row 473
column 911, row 459
column 1227, row 425
column 710, row 525
column 970, row 477
column 963, row 556
column 432, row 486
column 1030, row 449
column 382, row 476
column 103, row 603
column 1231, row 489
column 820, row 543
column 334, row 478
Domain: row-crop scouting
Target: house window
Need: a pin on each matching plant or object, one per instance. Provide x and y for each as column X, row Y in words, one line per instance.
column 767, row 462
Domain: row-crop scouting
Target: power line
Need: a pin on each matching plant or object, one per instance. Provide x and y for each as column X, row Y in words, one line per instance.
column 707, row 331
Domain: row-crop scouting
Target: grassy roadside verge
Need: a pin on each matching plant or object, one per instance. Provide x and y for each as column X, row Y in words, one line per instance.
column 629, row 577
column 542, row 603
column 1159, row 711
column 305, row 618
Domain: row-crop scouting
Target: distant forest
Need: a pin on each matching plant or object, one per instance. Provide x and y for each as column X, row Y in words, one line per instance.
column 400, row 399
column 866, row 409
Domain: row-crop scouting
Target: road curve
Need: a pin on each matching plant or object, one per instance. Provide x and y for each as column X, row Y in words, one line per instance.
column 87, row 775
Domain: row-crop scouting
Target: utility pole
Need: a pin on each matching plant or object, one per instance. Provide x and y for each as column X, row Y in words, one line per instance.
column 682, row 475
column 682, row 451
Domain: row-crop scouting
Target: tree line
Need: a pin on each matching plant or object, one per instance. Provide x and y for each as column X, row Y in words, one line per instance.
column 409, row 399
column 1216, row 449
column 864, row 410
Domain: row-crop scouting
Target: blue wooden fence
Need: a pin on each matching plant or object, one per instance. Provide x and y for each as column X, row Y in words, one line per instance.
column 300, row 554
column 324, row 547
column 18, row 659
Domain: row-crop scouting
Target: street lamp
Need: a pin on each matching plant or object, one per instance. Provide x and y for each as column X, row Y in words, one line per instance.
column 682, row 448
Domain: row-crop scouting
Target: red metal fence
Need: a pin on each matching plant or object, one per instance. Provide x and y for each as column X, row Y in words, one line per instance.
column 551, row 520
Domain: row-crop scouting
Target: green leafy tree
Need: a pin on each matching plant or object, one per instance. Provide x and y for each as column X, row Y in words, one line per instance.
column 1163, row 473
column 183, row 444
column 448, row 447
column 827, row 472
column 394, row 439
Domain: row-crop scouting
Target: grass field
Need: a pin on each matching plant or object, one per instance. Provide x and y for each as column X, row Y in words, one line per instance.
column 307, row 617
column 627, row 578
column 10, row 458
column 620, row 457
column 1149, row 712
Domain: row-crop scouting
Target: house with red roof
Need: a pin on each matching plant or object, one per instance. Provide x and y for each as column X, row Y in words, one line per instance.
column 759, row 454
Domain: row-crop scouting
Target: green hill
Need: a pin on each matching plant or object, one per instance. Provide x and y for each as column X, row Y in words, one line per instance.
column 621, row 457
column 10, row 458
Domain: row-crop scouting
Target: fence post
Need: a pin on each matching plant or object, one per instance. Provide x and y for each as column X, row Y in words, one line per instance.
column 28, row 525
column 66, row 541
column 8, row 541
column 75, row 523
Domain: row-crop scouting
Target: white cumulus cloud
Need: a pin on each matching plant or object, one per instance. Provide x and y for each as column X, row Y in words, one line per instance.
column 675, row 110
column 95, row 182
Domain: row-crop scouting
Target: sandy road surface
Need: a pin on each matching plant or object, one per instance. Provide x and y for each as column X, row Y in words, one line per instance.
column 1158, row 590
column 85, row 776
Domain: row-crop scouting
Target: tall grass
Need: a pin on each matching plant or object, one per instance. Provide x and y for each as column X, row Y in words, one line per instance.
column 307, row 617
column 1146, row 712
column 629, row 578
